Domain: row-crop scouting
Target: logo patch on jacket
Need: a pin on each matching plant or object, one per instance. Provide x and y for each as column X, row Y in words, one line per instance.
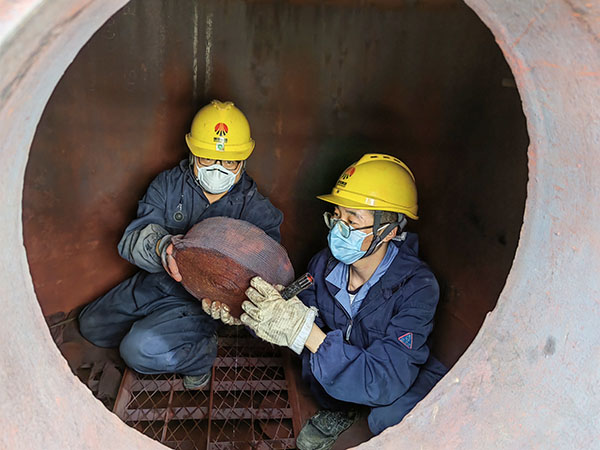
column 406, row 339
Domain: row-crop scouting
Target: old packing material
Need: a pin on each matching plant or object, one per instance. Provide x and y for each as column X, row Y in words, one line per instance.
column 219, row 256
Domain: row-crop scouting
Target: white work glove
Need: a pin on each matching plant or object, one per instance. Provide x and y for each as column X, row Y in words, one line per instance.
column 274, row 319
column 219, row 311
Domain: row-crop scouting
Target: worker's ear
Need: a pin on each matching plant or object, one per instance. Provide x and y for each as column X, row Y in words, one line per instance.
column 391, row 235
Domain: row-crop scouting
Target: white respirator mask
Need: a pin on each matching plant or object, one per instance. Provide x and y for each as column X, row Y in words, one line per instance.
column 215, row 179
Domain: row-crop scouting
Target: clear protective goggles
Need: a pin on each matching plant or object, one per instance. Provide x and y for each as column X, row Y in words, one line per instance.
column 344, row 228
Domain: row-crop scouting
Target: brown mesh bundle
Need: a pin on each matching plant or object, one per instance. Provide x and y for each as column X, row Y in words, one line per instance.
column 218, row 257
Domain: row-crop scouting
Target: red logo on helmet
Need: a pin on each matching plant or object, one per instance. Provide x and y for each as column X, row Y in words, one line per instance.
column 348, row 173
column 221, row 129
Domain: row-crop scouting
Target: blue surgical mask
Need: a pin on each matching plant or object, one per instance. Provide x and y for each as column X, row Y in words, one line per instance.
column 346, row 249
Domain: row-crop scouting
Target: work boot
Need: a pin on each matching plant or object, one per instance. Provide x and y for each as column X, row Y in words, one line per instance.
column 196, row 382
column 322, row 429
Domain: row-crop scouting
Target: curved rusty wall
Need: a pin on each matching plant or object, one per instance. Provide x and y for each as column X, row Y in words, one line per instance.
column 528, row 380
column 42, row 405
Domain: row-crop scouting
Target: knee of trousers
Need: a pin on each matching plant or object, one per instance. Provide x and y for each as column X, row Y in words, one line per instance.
column 139, row 351
column 93, row 328
column 147, row 352
column 383, row 417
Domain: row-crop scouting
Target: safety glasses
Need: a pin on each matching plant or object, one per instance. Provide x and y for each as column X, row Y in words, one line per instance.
column 229, row 165
column 344, row 228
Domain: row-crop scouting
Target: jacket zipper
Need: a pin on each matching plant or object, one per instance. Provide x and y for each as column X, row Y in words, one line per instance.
column 348, row 330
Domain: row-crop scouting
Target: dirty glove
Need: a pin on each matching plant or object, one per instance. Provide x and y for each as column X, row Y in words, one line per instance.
column 274, row 319
column 219, row 311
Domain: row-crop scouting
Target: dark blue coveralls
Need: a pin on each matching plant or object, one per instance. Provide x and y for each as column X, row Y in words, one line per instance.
column 378, row 357
column 158, row 326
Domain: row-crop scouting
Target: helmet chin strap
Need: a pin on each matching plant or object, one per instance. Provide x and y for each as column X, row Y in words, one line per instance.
column 378, row 238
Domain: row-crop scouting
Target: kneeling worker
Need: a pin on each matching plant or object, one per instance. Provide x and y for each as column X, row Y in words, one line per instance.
column 366, row 321
column 158, row 326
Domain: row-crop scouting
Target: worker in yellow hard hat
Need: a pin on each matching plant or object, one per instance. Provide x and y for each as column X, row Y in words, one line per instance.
column 158, row 326
column 363, row 327
column 220, row 143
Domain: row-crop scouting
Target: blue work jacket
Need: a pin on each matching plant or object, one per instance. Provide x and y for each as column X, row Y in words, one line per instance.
column 174, row 202
column 375, row 357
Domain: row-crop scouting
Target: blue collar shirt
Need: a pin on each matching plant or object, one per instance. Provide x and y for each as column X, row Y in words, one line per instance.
column 339, row 278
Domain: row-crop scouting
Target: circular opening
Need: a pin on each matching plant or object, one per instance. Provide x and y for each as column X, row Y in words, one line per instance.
column 129, row 97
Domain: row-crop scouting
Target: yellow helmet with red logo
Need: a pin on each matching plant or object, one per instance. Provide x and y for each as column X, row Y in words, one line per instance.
column 220, row 131
column 376, row 182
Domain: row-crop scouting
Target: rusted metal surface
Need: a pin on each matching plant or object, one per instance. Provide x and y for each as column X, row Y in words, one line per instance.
column 250, row 403
column 42, row 405
column 528, row 380
column 83, row 187
column 421, row 80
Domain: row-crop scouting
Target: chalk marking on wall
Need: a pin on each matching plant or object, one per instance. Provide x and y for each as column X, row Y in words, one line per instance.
column 208, row 53
column 195, row 53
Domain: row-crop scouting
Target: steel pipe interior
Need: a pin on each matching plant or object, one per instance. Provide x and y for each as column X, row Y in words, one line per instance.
column 437, row 92
column 465, row 142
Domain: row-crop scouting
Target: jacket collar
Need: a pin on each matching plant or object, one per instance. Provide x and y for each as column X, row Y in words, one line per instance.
column 394, row 277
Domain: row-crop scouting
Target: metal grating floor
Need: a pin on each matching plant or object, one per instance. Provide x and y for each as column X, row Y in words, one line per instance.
column 251, row 403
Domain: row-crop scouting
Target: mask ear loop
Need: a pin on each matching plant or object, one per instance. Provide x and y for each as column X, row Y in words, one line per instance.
column 378, row 239
column 192, row 163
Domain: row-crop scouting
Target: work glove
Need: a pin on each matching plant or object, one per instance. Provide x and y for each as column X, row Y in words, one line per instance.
column 164, row 249
column 219, row 311
column 274, row 319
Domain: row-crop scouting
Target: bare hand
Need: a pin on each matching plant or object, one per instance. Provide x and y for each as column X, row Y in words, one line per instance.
column 170, row 265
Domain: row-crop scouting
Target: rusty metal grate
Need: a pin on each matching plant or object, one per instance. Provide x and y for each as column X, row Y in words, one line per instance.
column 251, row 402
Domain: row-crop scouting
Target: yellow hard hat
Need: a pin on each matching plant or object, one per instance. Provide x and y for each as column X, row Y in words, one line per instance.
column 376, row 182
column 220, row 131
